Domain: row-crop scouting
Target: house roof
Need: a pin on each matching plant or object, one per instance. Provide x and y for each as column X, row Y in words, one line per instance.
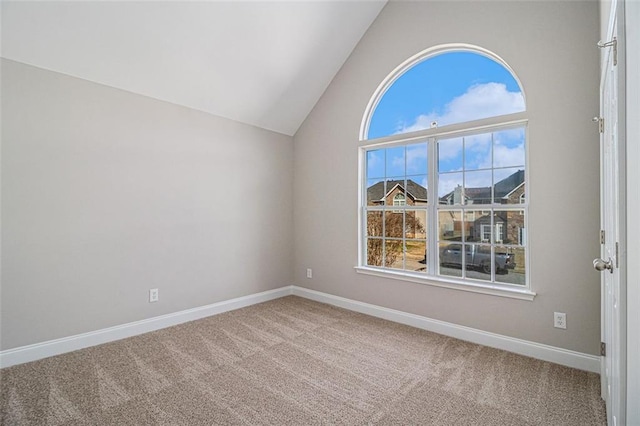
column 508, row 184
column 263, row 63
column 482, row 195
column 415, row 191
column 478, row 194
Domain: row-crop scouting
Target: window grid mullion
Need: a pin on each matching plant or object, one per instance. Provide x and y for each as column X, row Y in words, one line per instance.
column 432, row 215
column 463, row 239
column 404, row 214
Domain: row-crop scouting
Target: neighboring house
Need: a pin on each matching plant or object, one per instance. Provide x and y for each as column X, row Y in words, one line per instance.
column 396, row 195
column 508, row 226
column 509, row 190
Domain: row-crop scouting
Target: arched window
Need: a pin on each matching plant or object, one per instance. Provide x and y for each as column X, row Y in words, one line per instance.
column 398, row 199
column 448, row 124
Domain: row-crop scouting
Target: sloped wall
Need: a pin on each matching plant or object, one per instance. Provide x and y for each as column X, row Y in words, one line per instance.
column 106, row 194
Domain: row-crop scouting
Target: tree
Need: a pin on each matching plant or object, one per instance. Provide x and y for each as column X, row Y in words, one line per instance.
column 396, row 224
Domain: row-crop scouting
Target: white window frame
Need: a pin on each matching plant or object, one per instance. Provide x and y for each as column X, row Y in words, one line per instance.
column 522, row 236
column 483, row 228
column 496, row 229
column 431, row 136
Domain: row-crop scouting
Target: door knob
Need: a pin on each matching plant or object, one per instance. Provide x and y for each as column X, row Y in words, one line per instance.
column 601, row 265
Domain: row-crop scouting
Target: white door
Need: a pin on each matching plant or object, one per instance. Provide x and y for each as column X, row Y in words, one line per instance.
column 612, row 366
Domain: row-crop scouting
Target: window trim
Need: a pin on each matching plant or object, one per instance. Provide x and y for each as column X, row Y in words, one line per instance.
column 491, row 124
column 450, row 283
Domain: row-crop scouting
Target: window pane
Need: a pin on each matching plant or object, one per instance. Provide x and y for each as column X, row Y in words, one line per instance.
column 394, row 254
column 508, row 148
column 478, row 261
column 395, row 161
column 450, row 225
column 478, row 258
column 374, row 224
column 376, row 190
column 473, row 221
column 510, row 226
column 450, row 188
column 510, row 265
column 450, row 260
column 393, row 223
column 477, row 188
column 449, row 155
column 417, row 190
column 416, row 256
column 416, row 224
column 477, row 152
column 483, row 229
column 509, row 185
column 374, row 252
column 417, row 159
column 395, row 192
column 375, row 163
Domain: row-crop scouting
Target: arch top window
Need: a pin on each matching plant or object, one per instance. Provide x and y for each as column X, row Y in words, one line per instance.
column 443, row 87
column 443, row 174
column 399, row 199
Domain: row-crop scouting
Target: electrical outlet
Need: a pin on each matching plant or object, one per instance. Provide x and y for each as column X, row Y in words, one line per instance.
column 309, row 273
column 153, row 295
column 560, row 320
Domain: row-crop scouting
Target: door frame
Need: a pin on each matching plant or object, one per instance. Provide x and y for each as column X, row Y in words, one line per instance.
column 619, row 406
column 632, row 69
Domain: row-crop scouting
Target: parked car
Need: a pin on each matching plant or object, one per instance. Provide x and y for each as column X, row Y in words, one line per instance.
column 476, row 257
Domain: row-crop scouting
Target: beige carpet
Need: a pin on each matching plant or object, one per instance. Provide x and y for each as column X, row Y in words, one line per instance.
column 292, row 361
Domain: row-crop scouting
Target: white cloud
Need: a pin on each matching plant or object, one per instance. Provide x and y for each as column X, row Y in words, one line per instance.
column 449, row 149
column 481, row 179
column 504, row 156
column 448, row 182
column 479, row 101
column 417, row 159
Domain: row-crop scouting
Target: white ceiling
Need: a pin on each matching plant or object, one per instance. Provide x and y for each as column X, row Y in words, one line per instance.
column 263, row 63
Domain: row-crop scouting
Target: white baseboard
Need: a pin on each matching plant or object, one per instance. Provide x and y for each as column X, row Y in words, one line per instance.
column 553, row 354
column 523, row 347
column 80, row 341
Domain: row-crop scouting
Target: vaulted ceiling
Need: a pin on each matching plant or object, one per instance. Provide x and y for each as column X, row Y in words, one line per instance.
column 264, row 63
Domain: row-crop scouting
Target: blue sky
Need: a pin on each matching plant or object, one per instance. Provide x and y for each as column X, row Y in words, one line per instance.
column 450, row 88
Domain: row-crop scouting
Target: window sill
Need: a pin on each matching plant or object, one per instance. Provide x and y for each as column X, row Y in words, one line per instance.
column 474, row 287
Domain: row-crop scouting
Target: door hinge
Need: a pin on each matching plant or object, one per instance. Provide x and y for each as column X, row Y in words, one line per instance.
column 603, row 349
column 613, row 43
column 600, row 122
column 602, row 233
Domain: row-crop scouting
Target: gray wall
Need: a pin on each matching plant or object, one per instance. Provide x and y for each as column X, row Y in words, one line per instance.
column 550, row 45
column 106, row 194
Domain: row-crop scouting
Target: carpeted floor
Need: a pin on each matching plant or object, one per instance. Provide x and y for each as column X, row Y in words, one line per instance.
column 292, row 361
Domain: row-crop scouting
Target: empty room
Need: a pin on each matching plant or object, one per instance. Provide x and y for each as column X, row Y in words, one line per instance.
column 320, row 212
